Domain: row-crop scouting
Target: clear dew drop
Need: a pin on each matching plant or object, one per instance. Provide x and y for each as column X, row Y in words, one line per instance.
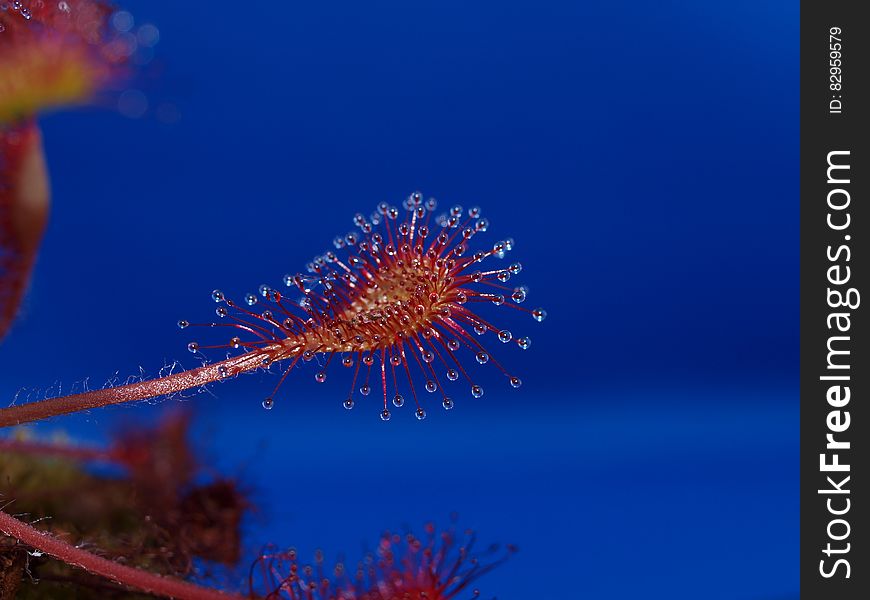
column 479, row 329
column 320, row 376
column 182, row 324
column 193, row 347
column 218, row 296
column 365, row 389
column 430, row 386
column 461, row 298
column 221, row 312
column 428, row 356
column 398, row 400
column 503, row 276
column 385, row 415
column 519, row 295
column 453, row 345
column 447, row 403
column 395, row 360
column 524, row 343
column 476, row 391
column 223, row 372
column 504, row 336
column 348, row 404
column 420, row 414
column 515, row 268
column 482, row 357
column 498, row 299
column 307, row 355
column 516, row 382
column 235, row 342
column 347, row 361
column 452, row 374
column 539, row 314
column 250, row 299
column 268, row 403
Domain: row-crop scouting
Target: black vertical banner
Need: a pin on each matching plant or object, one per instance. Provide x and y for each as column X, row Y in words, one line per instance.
column 835, row 270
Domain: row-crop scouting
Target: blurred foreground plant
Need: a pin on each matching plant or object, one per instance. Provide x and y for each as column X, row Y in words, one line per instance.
column 154, row 515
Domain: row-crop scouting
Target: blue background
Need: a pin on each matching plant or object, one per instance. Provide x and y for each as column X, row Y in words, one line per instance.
column 644, row 156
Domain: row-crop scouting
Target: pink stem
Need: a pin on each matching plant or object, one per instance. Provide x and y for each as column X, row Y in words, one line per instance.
column 52, row 407
column 134, row 578
column 54, row 450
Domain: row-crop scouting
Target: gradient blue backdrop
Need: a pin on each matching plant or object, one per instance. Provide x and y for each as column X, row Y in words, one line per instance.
column 643, row 155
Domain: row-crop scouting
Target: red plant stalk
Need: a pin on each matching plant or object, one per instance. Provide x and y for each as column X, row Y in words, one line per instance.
column 45, row 449
column 134, row 578
column 52, row 407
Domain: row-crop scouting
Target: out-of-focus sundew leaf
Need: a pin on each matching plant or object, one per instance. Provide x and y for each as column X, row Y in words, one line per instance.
column 24, row 203
column 55, row 54
column 52, row 54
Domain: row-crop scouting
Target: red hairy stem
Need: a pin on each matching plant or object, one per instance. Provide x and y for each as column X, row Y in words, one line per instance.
column 52, row 407
column 134, row 578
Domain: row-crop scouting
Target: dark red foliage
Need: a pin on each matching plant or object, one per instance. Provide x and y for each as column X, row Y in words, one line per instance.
column 156, row 516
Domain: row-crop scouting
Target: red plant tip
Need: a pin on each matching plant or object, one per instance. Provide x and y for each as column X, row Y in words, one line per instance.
column 399, row 304
column 435, row 567
column 56, row 53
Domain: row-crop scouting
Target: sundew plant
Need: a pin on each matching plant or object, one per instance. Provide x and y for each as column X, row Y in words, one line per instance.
column 417, row 297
